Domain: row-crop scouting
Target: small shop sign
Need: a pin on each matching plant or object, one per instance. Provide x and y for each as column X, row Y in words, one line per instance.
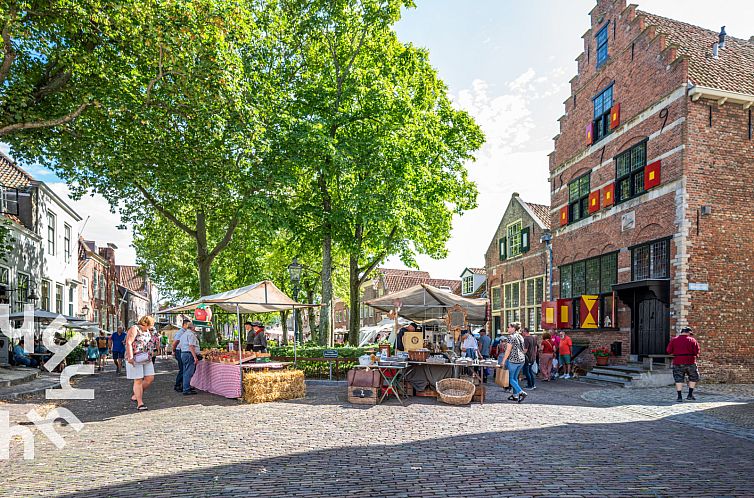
column 698, row 286
column 330, row 353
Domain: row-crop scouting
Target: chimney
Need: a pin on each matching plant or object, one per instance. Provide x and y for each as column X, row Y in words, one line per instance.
column 715, row 50
column 721, row 37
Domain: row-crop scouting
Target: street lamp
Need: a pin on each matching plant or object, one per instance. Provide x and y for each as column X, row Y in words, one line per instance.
column 32, row 297
column 85, row 311
column 295, row 269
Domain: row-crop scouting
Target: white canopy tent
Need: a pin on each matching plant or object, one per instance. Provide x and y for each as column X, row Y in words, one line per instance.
column 261, row 297
column 424, row 302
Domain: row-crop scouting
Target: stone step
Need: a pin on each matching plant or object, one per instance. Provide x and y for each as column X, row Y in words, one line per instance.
column 609, row 379
column 615, row 373
column 17, row 375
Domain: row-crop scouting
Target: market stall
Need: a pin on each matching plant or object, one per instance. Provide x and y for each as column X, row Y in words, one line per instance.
column 238, row 373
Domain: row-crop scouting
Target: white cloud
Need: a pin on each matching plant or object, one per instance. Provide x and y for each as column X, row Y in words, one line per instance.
column 99, row 224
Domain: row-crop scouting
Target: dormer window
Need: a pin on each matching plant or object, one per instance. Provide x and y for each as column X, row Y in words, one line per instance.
column 602, row 45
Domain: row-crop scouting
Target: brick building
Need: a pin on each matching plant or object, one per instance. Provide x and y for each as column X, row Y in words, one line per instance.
column 137, row 294
column 516, row 264
column 651, row 189
column 99, row 297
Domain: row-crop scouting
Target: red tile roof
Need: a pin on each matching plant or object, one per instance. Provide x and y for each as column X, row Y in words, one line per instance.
column 398, row 280
column 478, row 271
column 131, row 278
column 454, row 285
column 541, row 211
column 733, row 71
column 11, row 175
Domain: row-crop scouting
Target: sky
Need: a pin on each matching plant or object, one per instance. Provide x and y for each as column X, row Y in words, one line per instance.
column 507, row 63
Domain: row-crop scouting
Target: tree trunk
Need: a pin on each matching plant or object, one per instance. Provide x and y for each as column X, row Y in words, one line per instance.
column 203, row 260
column 325, row 329
column 284, row 325
column 310, row 314
column 354, row 322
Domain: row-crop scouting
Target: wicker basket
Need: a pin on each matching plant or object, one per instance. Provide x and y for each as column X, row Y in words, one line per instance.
column 455, row 391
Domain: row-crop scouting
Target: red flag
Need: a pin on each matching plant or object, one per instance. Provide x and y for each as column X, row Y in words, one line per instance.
column 594, row 201
column 608, row 195
column 615, row 116
column 652, row 175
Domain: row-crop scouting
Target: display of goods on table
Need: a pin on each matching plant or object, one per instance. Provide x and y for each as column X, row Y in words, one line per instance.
column 221, row 356
column 437, row 359
column 273, row 385
column 418, row 354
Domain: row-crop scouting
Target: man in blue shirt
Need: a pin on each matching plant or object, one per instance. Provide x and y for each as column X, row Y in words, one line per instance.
column 118, row 347
column 485, row 344
column 21, row 357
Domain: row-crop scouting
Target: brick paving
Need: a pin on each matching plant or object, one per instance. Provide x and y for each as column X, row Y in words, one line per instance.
column 557, row 443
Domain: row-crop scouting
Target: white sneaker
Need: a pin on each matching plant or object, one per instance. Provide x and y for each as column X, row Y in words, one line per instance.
column 567, row 376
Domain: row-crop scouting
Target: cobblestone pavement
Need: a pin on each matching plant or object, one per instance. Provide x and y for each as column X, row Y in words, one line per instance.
column 724, row 408
column 556, row 443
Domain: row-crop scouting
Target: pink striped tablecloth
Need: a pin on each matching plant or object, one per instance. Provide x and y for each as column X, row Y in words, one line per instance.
column 223, row 379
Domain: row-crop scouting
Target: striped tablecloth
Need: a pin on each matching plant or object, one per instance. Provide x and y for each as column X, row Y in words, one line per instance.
column 223, row 379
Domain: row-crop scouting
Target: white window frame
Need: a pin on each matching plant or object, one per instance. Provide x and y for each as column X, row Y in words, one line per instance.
column 85, row 289
column 513, row 238
column 468, row 284
column 511, row 311
column 530, row 306
column 45, row 304
column 62, row 298
column 52, row 233
column 67, row 231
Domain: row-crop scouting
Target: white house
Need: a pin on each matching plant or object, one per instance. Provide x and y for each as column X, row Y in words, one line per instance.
column 472, row 282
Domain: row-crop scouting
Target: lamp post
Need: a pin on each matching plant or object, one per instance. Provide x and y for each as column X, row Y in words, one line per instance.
column 32, row 297
column 295, row 269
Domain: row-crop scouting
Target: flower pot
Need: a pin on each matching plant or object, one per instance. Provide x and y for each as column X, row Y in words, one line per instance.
column 602, row 360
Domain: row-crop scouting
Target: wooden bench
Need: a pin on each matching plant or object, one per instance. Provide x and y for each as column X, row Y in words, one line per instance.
column 652, row 358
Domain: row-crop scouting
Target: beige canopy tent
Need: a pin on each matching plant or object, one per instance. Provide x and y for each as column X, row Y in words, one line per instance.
column 424, row 302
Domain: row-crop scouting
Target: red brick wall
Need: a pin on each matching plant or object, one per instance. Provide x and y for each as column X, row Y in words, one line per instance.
column 720, row 166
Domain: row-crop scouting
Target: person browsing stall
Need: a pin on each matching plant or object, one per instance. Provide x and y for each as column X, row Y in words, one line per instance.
column 258, row 340
column 177, row 354
column 249, row 335
column 189, row 346
column 469, row 344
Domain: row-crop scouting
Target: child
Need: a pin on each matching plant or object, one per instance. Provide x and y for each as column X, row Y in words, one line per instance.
column 92, row 353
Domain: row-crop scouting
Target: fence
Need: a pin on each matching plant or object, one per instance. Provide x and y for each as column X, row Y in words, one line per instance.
column 319, row 368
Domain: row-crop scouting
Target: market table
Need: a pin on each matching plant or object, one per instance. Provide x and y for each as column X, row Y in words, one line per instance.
column 224, row 379
column 393, row 384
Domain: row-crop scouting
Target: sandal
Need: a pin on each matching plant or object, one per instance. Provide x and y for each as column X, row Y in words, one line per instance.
column 512, row 398
column 142, row 408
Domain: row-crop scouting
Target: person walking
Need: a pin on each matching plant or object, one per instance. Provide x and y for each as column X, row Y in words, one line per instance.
column 118, row 347
column 164, row 344
column 485, row 347
column 565, row 348
column 531, row 348
column 177, row 355
column 684, row 349
column 138, row 357
column 102, row 345
column 513, row 360
column 189, row 346
column 545, row 356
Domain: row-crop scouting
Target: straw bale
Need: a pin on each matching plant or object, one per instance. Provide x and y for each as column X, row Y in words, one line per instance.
column 273, row 385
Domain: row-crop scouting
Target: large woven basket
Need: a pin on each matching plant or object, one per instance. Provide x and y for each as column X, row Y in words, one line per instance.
column 455, row 391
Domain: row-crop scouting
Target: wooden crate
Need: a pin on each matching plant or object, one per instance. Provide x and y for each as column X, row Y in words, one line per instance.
column 363, row 395
column 479, row 393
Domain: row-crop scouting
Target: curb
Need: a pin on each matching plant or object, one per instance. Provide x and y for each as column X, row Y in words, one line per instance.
column 41, row 386
column 30, row 377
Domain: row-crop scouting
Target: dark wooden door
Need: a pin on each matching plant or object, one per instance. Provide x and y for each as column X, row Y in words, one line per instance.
column 651, row 326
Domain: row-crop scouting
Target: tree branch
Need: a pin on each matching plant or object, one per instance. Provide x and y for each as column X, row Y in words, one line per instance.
column 167, row 214
column 47, row 123
column 365, row 271
column 228, row 234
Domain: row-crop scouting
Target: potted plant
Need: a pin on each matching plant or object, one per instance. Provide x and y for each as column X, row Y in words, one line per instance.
column 601, row 355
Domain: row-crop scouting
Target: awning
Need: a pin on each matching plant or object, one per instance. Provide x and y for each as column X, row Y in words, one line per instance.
column 424, row 302
column 262, row 297
column 660, row 287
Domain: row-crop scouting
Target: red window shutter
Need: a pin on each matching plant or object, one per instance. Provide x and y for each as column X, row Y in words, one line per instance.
column 615, row 117
column 564, row 215
column 563, row 314
column 608, row 195
column 594, row 201
column 590, row 133
column 549, row 315
column 652, row 175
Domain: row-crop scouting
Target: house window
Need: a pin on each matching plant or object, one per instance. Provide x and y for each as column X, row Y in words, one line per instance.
column 603, row 102
column 534, row 296
column 59, row 299
column 578, row 198
column 629, row 172
column 602, row 45
column 102, row 287
column 22, row 293
column 512, row 302
column 9, row 200
column 514, row 239
column 70, row 300
column 85, row 289
column 45, row 300
column 496, row 301
column 95, row 285
column 590, row 276
column 96, row 318
column 67, row 242
column 651, row 260
column 468, row 284
column 51, row 233
column 112, row 294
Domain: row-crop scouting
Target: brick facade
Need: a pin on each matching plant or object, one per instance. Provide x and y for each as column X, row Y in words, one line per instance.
column 519, row 268
column 655, row 65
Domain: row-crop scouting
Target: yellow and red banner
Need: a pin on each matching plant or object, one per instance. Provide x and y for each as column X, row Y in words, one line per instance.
column 608, row 195
column 564, row 216
column 594, row 201
column 652, row 175
column 564, row 313
column 549, row 315
column 589, row 312
column 590, row 133
column 615, row 116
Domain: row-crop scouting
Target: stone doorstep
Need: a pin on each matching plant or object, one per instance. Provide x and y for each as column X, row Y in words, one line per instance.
column 14, row 376
column 37, row 385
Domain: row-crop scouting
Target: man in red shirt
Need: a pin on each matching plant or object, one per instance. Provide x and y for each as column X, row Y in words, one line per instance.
column 564, row 350
column 684, row 349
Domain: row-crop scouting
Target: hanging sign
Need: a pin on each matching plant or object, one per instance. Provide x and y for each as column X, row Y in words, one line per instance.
column 588, row 311
column 203, row 314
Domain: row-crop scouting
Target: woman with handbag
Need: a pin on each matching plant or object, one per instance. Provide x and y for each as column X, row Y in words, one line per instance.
column 513, row 360
column 545, row 357
column 139, row 352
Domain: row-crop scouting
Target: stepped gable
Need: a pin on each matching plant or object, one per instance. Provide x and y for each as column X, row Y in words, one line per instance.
column 733, row 71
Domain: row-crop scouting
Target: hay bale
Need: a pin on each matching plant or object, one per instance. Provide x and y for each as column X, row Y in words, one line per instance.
column 273, row 385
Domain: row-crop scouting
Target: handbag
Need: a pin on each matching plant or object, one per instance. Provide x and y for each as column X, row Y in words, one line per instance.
column 554, row 363
column 534, row 368
column 142, row 357
column 502, row 377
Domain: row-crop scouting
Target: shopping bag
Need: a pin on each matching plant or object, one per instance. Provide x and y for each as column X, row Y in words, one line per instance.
column 534, row 368
column 502, row 377
column 554, row 363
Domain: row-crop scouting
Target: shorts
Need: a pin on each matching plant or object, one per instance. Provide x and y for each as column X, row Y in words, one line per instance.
column 103, row 351
column 139, row 370
column 118, row 355
column 680, row 371
column 565, row 359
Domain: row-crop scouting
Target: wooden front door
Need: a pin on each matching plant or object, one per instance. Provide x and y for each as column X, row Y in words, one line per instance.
column 651, row 326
